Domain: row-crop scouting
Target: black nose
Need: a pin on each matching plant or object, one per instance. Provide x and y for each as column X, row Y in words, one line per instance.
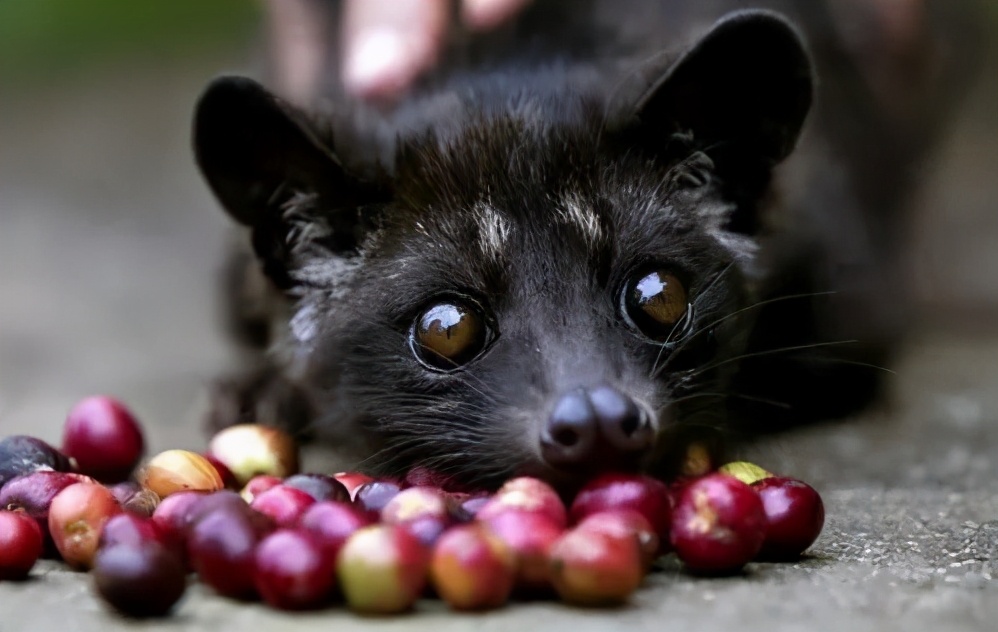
column 594, row 426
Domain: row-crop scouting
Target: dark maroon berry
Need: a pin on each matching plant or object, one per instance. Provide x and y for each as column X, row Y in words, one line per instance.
column 333, row 522
column 294, row 571
column 319, row 486
column 643, row 494
column 175, row 513
column 20, row 544
column 284, row 505
column 220, row 546
column 104, row 438
column 127, row 528
column 139, row 580
column 375, row 495
column 718, row 525
column 795, row 515
column 20, row 454
column 33, row 493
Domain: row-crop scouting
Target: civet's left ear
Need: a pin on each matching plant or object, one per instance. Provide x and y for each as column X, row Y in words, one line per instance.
column 745, row 85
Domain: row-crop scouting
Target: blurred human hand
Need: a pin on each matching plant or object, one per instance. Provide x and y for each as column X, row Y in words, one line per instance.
column 388, row 44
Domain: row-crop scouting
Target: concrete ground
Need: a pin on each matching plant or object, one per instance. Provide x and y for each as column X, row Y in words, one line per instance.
column 109, row 245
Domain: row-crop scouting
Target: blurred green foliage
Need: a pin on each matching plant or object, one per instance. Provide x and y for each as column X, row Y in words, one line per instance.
column 42, row 37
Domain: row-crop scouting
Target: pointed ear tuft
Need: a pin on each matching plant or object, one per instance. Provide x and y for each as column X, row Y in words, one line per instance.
column 748, row 82
column 251, row 148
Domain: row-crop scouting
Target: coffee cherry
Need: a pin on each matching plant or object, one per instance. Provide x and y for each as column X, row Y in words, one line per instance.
column 257, row 485
column 249, row 450
column 593, row 567
column 643, row 494
column 472, row 569
column 21, row 544
column 529, row 535
column 127, row 528
column 626, row 523
column 718, row 525
column 104, row 438
column 175, row 471
column 221, row 546
column 33, row 493
column 415, row 502
column 375, row 495
column 20, row 454
column 332, row 523
column 76, row 517
column 319, row 486
column 526, row 494
column 174, row 514
column 282, row 504
column 382, row 569
column 293, row 570
column 794, row 515
column 140, row 579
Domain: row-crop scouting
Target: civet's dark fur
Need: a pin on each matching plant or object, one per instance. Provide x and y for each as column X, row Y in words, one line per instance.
column 535, row 187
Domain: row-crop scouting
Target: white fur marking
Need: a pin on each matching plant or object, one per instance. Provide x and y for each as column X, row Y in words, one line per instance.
column 584, row 218
column 493, row 230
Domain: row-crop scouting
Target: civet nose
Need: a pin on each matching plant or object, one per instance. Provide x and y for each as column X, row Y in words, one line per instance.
column 595, row 425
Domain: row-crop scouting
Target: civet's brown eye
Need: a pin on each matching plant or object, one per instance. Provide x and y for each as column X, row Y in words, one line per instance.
column 655, row 303
column 451, row 333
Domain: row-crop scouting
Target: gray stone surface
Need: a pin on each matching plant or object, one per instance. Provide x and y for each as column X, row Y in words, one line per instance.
column 108, row 248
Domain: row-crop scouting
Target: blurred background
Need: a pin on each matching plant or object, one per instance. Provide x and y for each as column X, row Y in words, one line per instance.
column 110, row 243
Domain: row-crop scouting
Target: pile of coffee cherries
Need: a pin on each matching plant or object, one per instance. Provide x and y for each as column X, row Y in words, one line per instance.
column 250, row 526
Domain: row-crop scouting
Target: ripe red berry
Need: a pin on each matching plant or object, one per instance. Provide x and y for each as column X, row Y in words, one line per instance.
column 284, row 505
column 76, row 517
column 293, row 570
column 141, row 579
column 526, row 494
column 613, row 491
column 333, row 522
column 33, row 493
column 20, row 544
column 221, row 545
column 626, row 523
column 795, row 516
column 593, row 567
column 529, row 535
column 104, row 438
column 718, row 525
column 128, row 528
column 257, row 485
column 472, row 569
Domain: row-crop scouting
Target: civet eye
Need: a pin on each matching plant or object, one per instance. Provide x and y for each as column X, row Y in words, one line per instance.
column 449, row 334
column 655, row 303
